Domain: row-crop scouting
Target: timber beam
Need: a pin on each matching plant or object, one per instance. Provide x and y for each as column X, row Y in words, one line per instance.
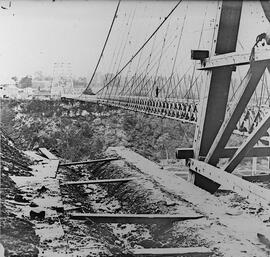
column 182, row 251
column 88, row 162
column 133, row 218
column 228, row 152
column 229, row 181
column 249, row 143
column 257, row 178
column 234, row 59
column 98, row 181
column 47, row 154
column 215, row 92
column 237, row 108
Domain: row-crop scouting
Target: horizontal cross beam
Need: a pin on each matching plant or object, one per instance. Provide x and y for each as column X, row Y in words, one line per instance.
column 234, row 59
column 133, row 218
column 98, row 181
column 228, row 152
column 231, row 182
column 257, row 178
column 88, row 162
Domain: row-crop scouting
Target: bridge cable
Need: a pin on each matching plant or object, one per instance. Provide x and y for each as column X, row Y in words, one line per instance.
column 194, row 66
column 109, row 74
column 145, row 61
column 115, row 61
column 159, row 59
column 181, row 79
column 148, row 63
column 167, row 47
column 152, row 67
column 114, row 17
column 138, row 63
column 177, row 50
column 138, row 51
column 123, row 50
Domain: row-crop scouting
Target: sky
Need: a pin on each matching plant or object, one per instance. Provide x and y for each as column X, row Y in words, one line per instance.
column 37, row 34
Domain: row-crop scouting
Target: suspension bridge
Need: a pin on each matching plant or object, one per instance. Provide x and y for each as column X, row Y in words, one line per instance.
column 209, row 76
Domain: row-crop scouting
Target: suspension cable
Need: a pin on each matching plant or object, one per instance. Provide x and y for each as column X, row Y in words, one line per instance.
column 105, row 43
column 145, row 43
column 123, row 48
column 194, row 66
column 177, row 50
column 155, row 61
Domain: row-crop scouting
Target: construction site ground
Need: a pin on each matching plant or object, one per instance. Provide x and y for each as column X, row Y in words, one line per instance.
column 230, row 226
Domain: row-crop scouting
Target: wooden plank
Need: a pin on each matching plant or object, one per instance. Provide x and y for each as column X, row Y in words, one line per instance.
column 48, row 154
column 98, row 181
column 234, row 59
column 88, row 162
column 228, row 152
column 133, row 218
column 183, row 251
column 248, row 144
column 231, row 182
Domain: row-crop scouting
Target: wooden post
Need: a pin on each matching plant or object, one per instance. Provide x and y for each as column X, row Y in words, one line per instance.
column 214, row 94
column 254, row 166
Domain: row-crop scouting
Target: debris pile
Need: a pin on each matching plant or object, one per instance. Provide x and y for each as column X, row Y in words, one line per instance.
column 17, row 235
column 13, row 161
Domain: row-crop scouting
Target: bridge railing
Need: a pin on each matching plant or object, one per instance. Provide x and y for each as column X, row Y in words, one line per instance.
column 178, row 109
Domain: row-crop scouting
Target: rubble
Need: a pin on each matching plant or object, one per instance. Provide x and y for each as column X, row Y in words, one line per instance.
column 17, row 236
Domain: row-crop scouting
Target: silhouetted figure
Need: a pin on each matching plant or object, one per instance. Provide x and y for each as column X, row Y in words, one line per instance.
column 157, row 91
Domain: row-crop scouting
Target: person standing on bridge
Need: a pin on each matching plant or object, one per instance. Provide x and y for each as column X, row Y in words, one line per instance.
column 157, row 91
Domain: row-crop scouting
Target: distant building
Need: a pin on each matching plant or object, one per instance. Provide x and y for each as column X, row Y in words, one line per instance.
column 25, row 82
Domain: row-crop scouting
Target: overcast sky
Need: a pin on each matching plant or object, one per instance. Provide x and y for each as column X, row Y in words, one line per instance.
column 36, row 34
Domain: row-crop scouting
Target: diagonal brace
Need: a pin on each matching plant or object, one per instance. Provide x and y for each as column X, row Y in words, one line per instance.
column 250, row 142
column 238, row 106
